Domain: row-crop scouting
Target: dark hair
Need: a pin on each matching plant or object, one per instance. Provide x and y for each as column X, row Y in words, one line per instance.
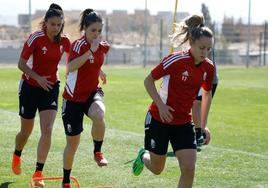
column 88, row 17
column 54, row 11
column 192, row 28
column 55, row 6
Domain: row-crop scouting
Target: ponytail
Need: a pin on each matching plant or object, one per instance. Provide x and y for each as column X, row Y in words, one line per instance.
column 88, row 17
column 54, row 10
column 191, row 28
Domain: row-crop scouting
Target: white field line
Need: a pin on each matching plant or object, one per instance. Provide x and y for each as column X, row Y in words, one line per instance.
column 14, row 116
column 251, row 154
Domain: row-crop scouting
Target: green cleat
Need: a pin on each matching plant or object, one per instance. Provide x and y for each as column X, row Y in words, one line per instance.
column 138, row 164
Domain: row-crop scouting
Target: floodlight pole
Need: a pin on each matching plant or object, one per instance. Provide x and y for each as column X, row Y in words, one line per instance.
column 107, row 35
column 264, row 42
column 248, row 40
column 161, row 40
column 145, row 36
column 30, row 16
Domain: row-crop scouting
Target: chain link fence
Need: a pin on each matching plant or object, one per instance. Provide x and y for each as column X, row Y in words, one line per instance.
column 125, row 32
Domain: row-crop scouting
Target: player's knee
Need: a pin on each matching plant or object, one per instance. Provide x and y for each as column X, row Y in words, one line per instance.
column 71, row 148
column 157, row 170
column 98, row 116
column 46, row 131
column 25, row 134
column 188, row 169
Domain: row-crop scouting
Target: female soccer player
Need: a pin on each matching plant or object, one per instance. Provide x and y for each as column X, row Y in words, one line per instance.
column 82, row 94
column 169, row 115
column 39, row 86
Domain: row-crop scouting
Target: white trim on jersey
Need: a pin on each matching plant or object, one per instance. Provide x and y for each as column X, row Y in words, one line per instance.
column 148, row 119
column 164, row 89
column 200, row 92
column 34, row 36
column 30, row 62
column 30, row 65
column 20, row 86
column 173, row 58
column 71, row 82
column 78, row 45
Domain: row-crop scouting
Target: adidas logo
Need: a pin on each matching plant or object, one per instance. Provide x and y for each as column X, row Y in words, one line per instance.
column 53, row 103
column 184, row 75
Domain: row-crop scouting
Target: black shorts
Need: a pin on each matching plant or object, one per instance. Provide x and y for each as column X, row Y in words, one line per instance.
column 32, row 98
column 158, row 135
column 199, row 95
column 73, row 113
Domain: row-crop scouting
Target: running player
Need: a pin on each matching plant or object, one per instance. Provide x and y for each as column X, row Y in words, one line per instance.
column 39, row 86
column 82, row 94
column 169, row 117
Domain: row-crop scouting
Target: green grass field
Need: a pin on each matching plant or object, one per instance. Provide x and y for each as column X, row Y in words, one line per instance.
column 236, row 158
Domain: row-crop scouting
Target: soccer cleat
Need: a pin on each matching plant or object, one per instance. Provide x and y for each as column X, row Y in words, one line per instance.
column 138, row 164
column 16, row 164
column 100, row 159
column 38, row 183
column 66, row 185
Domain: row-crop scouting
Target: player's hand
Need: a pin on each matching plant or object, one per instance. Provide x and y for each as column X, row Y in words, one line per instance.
column 103, row 77
column 206, row 136
column 95, row 44
column 44, row 83
column 165, row 113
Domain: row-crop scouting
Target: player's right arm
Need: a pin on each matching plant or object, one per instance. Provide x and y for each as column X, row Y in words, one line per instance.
column 41, row 80
column 164, row 110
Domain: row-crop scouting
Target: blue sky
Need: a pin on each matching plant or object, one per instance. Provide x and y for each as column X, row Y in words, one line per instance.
column 236, row 8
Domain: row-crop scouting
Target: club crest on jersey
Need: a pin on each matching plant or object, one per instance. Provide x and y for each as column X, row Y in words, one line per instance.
column 184, row 76
column 44, row 49
column 205, row 76
column 61, row 49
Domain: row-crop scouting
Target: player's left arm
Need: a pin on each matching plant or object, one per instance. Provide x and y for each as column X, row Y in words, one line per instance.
column 103, row 76
column 205, row 106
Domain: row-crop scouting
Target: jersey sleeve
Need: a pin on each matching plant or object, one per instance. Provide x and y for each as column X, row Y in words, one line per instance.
column 72, row 54
column 75, row 51
column 165, row 67
column 208, row 78
column 28, row 48
column 66, row 44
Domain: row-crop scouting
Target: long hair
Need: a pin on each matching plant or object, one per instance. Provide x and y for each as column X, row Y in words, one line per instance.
column 192, row 28
column 88, row 17
column 54, row 11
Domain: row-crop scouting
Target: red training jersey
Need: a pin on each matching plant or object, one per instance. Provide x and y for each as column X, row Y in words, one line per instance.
column 81, row 83
column 182, row 80
column 45, row 55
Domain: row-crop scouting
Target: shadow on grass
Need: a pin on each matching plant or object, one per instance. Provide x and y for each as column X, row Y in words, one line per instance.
column 169, row 154
column 5, row 185
column 130, row 161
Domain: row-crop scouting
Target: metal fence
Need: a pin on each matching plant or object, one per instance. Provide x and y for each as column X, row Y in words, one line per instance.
column 127, row 45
